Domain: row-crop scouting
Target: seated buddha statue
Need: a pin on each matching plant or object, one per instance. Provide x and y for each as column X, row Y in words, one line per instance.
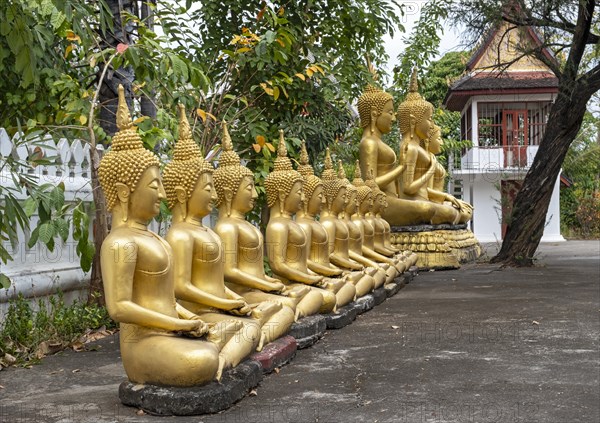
column 243, row 244
column 373, row 216
column 318, row 237
column 287, row 247
column 198, row 255
column 435, row 188
column 376, row 270
column 404, row 181
column 365, row 204
column 410, row 257
column 159, row 344
column 335, row 202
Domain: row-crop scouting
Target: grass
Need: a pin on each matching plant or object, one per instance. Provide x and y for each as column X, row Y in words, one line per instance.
column 26, row 335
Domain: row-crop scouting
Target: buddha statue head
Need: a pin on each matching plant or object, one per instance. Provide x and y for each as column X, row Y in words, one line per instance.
column 188, row 177
column 129, row 174
column 363, row 192
column 414, row 113
column 234, row 183
column 434, row 143
column 376, row 110
column 284, row 185
column 312, row 186
column 335, row 188
column 351, row 191
column 378, row 194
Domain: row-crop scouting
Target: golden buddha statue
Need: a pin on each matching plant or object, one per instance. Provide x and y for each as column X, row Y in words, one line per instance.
column 365, row 204
column 287, row 248
column 318, row 237
column 435, row 189
column 156, row 340
column 409, row 257
column 373, row 216
column 355, row 242
column 335, row 203
column 198, row 256
column 404, row 181
column 243, row 244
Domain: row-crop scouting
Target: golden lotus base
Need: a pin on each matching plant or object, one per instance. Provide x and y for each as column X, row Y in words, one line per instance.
column 438, row 246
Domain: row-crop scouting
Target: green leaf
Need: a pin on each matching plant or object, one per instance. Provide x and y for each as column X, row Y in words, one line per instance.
column 57, row 198
column 43, row 211
column 4, row 281
column 33, row 238
column 30, row 206
column 57, row 18
column 179, row 67
column 62, row 228
column 46, row 232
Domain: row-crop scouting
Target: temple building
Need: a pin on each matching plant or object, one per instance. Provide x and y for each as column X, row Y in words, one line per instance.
column 504, row 99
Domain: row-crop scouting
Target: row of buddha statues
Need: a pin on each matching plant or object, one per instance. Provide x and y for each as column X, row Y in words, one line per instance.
column 199, row 301
column 413, row 181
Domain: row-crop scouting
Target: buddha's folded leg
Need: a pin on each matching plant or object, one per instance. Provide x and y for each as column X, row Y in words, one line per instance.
column 364, row 285
column 239, row 343
column 345, row 295
column 277, row 326
column 165, row 359
column 311, row 303
column 401, row 212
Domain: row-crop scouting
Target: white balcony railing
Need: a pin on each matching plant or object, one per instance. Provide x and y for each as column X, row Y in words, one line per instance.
column 503, row 158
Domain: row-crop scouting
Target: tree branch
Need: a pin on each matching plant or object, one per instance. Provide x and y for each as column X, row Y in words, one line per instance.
column 585, row 14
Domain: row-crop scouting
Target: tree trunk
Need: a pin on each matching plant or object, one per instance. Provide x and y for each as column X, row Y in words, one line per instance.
column 147, row 106
column 527, row 222
column 100, row 231
column 108, row 101
column 108, row 97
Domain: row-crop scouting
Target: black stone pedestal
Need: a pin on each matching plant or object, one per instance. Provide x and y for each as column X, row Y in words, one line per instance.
column 308, row 330
column 364, row 303
column 211, row 398
column 342, row 317
column 379, row 295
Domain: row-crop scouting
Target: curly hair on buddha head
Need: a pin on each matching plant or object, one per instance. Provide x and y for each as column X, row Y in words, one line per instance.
column 127, row 159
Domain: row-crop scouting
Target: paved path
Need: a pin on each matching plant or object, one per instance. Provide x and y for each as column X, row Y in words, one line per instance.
column 479, row 344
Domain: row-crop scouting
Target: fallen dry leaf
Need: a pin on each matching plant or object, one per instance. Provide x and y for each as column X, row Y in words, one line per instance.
column 140, row 412
column 9, row 359
column 77, row 346
column 253, row 393
column 535, row 322
column 75, row 371
column 395, row 327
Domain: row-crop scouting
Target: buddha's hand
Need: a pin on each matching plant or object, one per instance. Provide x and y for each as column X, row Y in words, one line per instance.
column 278, row 287
column 244, row 310
column 193, row 328
column 454, row 202
column 333, row 285
column 296, row 292
column 233, row 304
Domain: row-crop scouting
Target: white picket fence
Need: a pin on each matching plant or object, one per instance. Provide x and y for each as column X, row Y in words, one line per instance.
column 37, row 272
